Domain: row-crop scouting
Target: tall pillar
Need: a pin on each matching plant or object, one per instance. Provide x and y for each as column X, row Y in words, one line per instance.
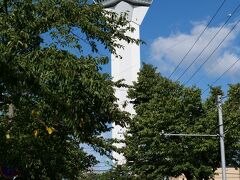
column 128, row 65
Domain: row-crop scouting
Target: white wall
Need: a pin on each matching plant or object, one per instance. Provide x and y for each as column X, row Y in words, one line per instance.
column 126, row 68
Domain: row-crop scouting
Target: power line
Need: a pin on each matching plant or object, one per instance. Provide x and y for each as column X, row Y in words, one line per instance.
column 185, row 83
column 197, row 39
column 222, row 75
column 209, row 43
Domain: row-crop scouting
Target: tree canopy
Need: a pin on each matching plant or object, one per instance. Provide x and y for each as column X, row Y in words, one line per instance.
column 164, row 105
column 51, row 100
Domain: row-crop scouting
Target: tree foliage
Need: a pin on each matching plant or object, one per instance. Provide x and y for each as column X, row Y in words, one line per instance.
column 163, row 105
column 117, row 173
column 58, row 100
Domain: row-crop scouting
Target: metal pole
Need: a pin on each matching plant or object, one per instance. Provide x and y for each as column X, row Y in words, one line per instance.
column 221, row 136
column 191, row 135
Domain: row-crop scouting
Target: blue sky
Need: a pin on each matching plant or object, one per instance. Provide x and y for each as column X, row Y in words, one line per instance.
column 171, row 27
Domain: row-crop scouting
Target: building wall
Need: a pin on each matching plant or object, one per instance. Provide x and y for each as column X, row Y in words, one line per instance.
column 232, row 174
column 126, row 67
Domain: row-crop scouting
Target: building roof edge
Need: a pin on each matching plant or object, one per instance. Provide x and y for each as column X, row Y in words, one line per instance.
column 112, row 3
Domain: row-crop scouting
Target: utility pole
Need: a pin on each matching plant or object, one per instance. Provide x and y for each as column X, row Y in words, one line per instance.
column 221, row 137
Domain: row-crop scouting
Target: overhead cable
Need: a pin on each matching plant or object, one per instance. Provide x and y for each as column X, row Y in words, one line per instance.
column 222, row 75
column 197, row 39
column 235, row 10
column 198, row 69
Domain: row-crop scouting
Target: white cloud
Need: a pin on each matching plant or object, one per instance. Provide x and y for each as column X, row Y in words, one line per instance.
column 224, row 63
column 166, row 52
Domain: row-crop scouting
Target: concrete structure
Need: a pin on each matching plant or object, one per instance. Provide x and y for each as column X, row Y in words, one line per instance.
column 127, row 67
column 231, row 174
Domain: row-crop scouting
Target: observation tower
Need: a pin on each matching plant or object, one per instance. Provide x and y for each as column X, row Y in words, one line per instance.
column 127, row 67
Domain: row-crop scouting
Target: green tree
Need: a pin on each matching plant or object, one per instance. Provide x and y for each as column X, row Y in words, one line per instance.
column 161, row 104
column 58, row 100
column 231, row 115
column 207, row 149
column 117, row 173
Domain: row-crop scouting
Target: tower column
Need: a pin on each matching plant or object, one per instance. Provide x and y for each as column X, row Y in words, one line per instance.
column 125, row 68
column 128, row 65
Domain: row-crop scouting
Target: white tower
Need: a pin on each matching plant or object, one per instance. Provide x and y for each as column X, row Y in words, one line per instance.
column 127, row 67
